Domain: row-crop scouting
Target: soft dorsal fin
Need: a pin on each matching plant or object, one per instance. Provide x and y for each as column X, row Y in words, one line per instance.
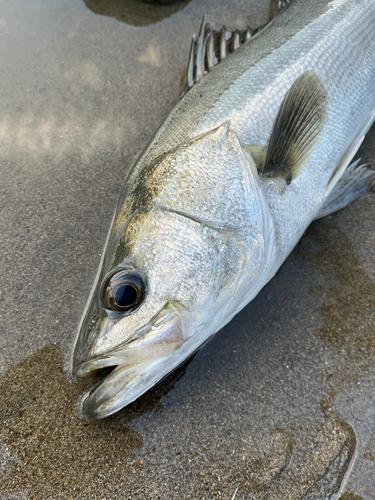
column 296, row 128
column 211, row 47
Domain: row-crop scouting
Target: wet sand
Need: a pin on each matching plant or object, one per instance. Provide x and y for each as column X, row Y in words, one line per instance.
column 279, row 405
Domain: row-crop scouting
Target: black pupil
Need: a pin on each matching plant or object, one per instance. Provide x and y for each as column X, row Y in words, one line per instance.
column 125, row 295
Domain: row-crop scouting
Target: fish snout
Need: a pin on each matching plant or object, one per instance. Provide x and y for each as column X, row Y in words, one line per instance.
column 135, row 364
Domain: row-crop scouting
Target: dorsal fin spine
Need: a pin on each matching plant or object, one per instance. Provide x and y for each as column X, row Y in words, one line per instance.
column 211, row 47
column 190, row 76
column 201, row 43
column 211, row 57
column 236, row 40
column 223, row 44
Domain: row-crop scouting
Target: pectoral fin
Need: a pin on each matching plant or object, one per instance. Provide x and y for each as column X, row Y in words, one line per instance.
column 296, row 129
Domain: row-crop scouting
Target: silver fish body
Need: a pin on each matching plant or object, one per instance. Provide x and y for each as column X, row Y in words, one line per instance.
column 197, row 221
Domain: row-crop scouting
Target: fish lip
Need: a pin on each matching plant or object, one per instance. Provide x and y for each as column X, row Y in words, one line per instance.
column 101, row 402
column 97, row 362
column 90, row 366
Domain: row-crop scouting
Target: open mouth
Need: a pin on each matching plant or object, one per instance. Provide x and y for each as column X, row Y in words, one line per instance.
column 99, row 362
column 125, row 379
column 119, row 387
column 133, row 367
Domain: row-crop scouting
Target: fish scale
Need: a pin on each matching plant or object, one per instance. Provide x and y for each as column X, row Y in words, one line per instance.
column 263, row 60
column 205, row 222
column 335, row 39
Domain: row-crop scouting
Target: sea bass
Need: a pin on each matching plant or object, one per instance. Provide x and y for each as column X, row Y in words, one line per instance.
column 260, row 144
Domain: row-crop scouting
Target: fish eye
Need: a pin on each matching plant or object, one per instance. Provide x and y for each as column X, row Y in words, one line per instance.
column 123, row 290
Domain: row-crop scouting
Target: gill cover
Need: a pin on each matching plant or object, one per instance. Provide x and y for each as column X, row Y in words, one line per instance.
column 194, row 226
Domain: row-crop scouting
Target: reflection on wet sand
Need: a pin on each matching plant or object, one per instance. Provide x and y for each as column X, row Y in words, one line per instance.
column 55, row 454
column 348, row 305
column 58, row 456
column 348, row 310
column 330, row 481
column 350, row 496
column 136, row 12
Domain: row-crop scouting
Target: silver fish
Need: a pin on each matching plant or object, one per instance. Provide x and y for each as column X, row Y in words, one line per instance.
column 261, row 144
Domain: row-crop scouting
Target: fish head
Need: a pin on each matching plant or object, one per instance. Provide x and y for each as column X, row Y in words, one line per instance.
column 178, row 265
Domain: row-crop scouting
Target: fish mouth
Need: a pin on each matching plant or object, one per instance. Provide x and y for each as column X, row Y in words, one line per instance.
column 119, row 388
column 136, row 366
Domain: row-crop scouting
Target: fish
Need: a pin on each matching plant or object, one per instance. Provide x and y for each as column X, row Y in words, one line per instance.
column 259, row 145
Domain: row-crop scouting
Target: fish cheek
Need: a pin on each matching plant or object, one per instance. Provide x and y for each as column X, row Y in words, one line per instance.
column 209, row 276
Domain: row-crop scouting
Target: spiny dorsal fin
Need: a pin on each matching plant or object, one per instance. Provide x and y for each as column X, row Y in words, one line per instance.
column 277, row 6
column 297, row 127
column 210, row 47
